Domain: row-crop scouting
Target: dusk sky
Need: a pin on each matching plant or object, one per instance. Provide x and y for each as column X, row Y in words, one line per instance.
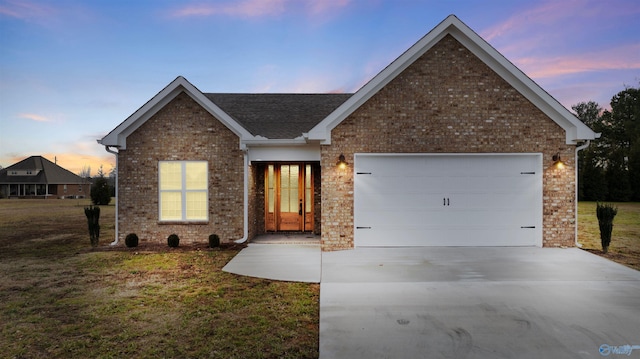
column 72, row 70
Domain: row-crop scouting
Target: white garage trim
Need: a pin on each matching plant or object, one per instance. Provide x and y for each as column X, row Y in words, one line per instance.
column 448, row 199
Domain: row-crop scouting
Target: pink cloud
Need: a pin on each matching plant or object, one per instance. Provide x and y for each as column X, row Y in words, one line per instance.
column 26, row 10
column 33, row 117
column 259, row 8
column 326, row 6
column 544, row 14
column 247, row 8
column 622, row 58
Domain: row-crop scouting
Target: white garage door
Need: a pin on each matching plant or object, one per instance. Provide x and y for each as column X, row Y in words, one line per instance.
column 448, row 200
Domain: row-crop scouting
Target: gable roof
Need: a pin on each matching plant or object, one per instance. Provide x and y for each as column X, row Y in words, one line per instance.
column 575, row 130
column 254, row 118
column 118, row 136
column 278, row 116
column 43, row 172
column 276, row 119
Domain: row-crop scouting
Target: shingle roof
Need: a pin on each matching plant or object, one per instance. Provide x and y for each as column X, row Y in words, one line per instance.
column 278, row 116
column 47, row 172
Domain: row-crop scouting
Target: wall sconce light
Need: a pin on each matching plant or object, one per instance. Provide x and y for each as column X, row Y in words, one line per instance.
column 341, row 162
column 557, row 161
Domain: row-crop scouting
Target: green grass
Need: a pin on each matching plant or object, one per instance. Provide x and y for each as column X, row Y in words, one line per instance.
column 625, row 238
column 60, row 298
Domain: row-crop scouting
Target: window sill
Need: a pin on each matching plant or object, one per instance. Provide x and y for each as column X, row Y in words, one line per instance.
column 183, row 222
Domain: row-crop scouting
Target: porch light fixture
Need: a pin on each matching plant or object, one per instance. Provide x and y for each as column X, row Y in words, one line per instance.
column 557, row 161
column 341, row 162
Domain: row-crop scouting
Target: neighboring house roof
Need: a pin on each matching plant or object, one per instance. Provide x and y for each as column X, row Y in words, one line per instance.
column 575, row 130
column 38, row 170
column 278, row 116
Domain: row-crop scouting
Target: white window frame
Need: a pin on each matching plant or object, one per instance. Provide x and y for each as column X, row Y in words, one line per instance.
column 183, row 191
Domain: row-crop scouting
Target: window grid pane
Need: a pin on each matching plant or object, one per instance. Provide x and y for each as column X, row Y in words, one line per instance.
column 170, row 176
column 293, row 189
column 196, row 175
column 307, row 189
column 171, row 205
column 271, row 189
column 183, row 190
column 197, row 205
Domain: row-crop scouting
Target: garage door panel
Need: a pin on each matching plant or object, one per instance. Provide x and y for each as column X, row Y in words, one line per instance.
column 400, row 183
column 448, row 200
column 402, row 219
column 402, row 201
column 443, row 236
column 504, row 200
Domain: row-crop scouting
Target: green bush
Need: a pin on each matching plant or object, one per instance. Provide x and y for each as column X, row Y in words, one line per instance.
column 605, row 213
column 214, row 241
column 100, row 192
column 173, row 240
column 131, row 240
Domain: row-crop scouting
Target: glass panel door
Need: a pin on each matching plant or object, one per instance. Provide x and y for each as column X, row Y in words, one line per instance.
column 290, row 201
column 288, row 197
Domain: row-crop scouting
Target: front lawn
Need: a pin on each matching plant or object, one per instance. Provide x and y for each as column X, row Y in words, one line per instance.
column 625, row 239
column 59, row 298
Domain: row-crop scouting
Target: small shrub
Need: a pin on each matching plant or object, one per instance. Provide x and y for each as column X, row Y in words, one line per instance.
column 173, row 240
column 605, row 213
column 93, row 219
column 214, row 241
column 131, row 240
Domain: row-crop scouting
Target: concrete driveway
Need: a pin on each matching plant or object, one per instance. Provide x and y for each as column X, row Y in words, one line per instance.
column 477, row 303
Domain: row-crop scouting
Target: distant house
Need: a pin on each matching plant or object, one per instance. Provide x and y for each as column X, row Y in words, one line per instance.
column 37, row 177
column 450, row 145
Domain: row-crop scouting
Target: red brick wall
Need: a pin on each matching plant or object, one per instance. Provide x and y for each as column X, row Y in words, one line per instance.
column 448, row 101
column 181, row 131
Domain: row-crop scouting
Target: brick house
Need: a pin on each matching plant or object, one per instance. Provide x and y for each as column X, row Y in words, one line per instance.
column 450, row 144
column 37, row 177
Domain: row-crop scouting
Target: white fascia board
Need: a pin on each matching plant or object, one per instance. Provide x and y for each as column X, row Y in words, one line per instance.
column 322, row 131
column 265, row 142
column 118, row 136
column 575, row 130
column 286, row 153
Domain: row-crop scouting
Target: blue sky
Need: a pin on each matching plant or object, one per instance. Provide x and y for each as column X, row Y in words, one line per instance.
column 72, row 70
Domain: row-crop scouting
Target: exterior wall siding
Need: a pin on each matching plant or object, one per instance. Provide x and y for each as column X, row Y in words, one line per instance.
column 448, row 101
column 181, row 131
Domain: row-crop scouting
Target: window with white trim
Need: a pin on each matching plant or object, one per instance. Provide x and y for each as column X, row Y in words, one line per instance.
column 183, row 187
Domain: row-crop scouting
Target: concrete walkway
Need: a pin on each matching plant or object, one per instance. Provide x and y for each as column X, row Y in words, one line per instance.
column 293, row 258
column 461, row 302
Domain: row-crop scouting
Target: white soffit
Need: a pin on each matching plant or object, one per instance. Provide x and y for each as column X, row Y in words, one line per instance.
column 300, row 153
column 118, row 136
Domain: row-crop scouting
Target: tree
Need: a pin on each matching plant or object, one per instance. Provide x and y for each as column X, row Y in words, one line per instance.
column 85, row 172
column 625, row 115
column 100, row 192
column 609, row 169
column 592, row 184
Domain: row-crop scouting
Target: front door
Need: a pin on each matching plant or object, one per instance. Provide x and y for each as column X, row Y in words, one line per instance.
column 289, row 197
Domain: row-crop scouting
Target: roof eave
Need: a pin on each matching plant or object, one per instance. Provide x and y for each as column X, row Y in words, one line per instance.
column 575, row 130
column 118, row 136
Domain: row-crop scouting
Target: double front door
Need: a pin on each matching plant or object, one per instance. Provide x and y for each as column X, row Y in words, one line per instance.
column 289, row 197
